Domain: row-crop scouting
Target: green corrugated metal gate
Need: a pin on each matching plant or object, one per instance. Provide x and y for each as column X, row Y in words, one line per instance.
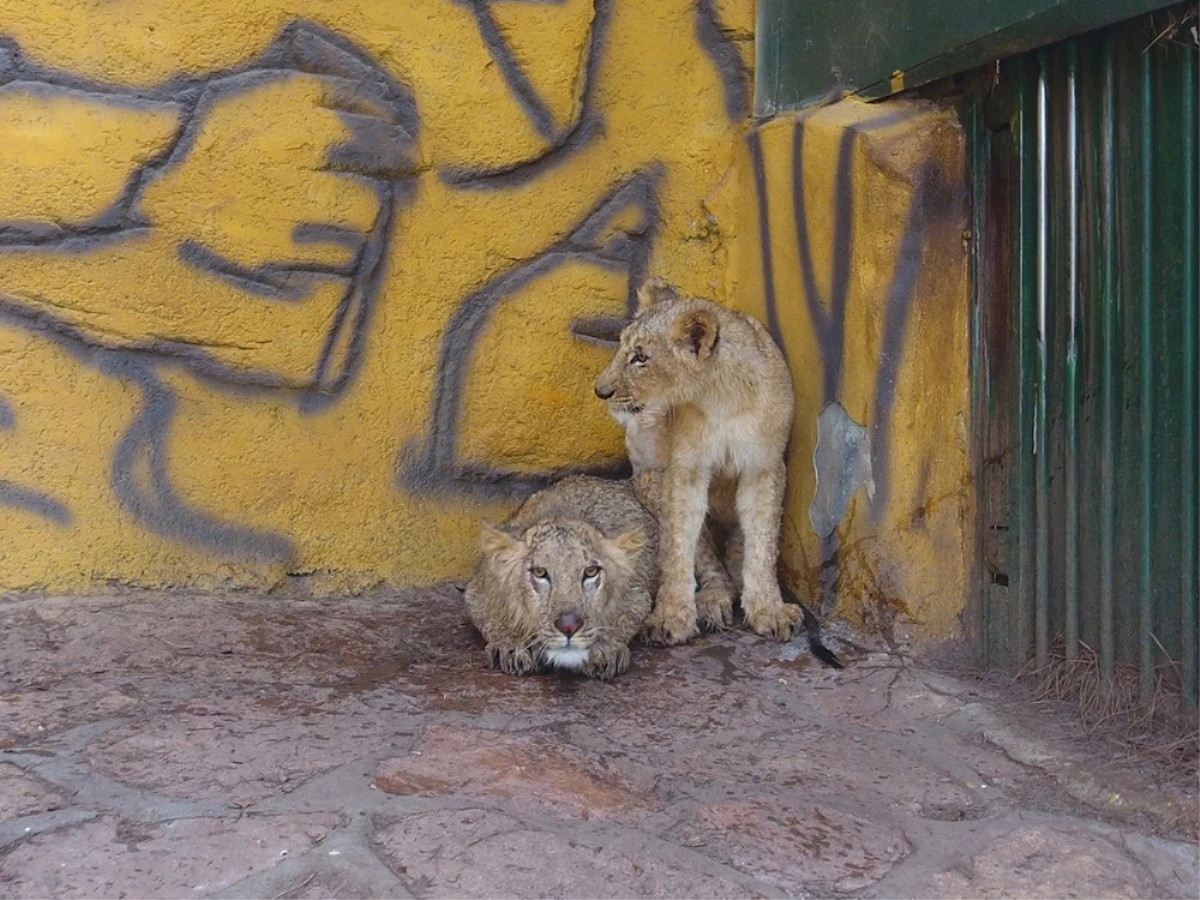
column 1084, row 178
column 1084, row 162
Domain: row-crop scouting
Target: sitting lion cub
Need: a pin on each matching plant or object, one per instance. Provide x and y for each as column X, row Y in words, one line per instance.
column 720, row 394
column 567, row 582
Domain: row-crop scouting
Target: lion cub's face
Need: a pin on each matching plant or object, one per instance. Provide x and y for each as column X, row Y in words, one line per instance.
column 660, row 355
column 565, row 576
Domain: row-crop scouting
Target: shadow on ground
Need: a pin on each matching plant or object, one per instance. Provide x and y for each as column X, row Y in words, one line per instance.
column 191, row 746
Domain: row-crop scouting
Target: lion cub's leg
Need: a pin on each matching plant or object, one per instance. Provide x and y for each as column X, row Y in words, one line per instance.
column 606, row 660
column 685, row 505
column 510, row 660
column 735, row 557
column 714, row 599
column 722, row 510
column 760, row 507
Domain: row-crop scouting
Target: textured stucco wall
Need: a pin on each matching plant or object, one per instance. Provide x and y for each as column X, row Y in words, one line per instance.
column 854, row 250
column 293, row 287
column 299, row 288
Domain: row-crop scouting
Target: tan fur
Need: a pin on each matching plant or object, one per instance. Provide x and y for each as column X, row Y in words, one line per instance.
column 569, row 527
column 647, row 442
column 716, row 394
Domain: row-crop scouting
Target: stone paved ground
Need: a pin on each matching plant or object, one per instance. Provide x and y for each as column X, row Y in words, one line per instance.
column 190, row 746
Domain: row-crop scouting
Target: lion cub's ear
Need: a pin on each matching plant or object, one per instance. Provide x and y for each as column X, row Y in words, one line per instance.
column 654, row 290
column 495, row 541
column 695, row 331
column 631, row 542
column 624, row 549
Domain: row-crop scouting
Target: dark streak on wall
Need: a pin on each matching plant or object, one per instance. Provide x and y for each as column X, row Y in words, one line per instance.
column 20, row 497
column 379, row 153
column 518, row 82
column 934, row 201
column 141, row 479
column 726, row 58
column 382, row 153
column 36, row 502
column 431, row 465
column 565, row 142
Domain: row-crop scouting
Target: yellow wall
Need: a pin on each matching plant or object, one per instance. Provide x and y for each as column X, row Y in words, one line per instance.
column 292, row 287
column 288, row 286
column 854, row 249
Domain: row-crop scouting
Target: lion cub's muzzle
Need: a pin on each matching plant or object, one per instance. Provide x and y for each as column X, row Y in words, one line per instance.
column 568, row 649
column 569, row 622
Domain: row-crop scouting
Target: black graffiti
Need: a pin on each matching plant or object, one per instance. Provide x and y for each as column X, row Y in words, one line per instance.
column 518, row 82
column 589, row 125
column 139, row 468
column 764, row 238
column 431, row 465
column 934, row 199
column 20, row 497
column 36, row 502
column 725, row 56
column 563, row 143
column 381, row 116
column 379, row 154
column 829, row 320
column 141, row 481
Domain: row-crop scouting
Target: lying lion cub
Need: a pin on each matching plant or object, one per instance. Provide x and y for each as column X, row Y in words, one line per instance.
column 719, row 393
column 567, row 582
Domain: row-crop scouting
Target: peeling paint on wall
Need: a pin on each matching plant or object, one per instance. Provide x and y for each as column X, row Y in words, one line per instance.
column 853, row 253
column 841, row 464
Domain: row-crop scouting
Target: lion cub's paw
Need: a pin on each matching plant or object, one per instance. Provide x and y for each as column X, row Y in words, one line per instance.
column 777, row 620
column 714, row 605
column 606, row 662
column 511, row 660
column 673, row 620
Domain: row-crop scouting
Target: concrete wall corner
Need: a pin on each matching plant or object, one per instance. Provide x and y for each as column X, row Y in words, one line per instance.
column 854, row 249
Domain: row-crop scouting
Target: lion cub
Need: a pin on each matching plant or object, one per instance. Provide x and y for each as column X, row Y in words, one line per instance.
column 647, row 445
column 721, row 390
column 568, row 581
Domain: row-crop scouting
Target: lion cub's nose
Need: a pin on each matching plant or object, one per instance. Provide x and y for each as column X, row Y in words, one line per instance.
column 569, row 622
column 604, row 393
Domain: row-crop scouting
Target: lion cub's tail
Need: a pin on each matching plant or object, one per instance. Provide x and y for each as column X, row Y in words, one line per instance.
column 813, row 628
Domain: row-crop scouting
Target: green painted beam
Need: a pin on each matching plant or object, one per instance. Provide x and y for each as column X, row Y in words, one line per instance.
column 875, row 48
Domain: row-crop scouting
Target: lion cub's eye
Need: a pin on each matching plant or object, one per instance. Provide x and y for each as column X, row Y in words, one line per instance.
column 538, row 572
column 639, row 358
column 591, row 571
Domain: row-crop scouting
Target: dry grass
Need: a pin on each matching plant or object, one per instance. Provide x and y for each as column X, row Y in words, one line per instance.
column 1176, row 26
column 1161, row 730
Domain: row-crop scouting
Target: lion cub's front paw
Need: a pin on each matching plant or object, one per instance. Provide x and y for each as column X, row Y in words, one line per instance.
column 511, row 660
column 714, row 604
column 607, row 661
column 673, row 620
column 775, row 620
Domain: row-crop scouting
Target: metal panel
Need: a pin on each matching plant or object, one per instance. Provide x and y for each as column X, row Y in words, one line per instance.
column 878, row 47
column 1084, row 160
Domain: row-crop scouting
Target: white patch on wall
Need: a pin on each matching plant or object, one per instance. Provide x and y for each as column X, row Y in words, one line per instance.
column 842, row 461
